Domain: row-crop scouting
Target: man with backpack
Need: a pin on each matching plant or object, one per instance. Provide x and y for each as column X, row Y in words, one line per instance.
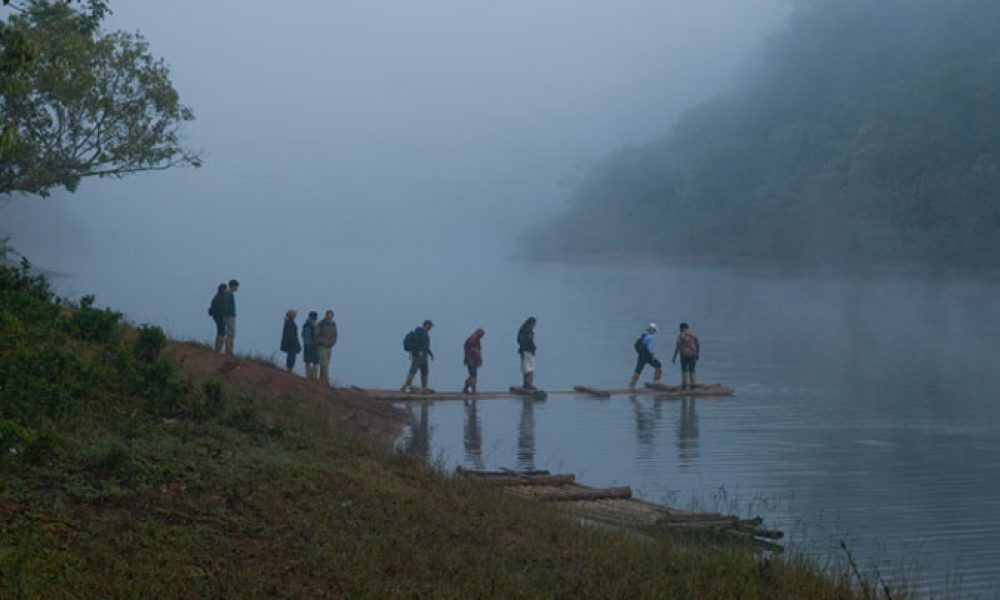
column 326, row 339
column 418, row 344
column 647, row 356
column 689, row 349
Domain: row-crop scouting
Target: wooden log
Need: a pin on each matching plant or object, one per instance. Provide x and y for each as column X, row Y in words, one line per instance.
column 583, row 493
column 505, row 473
column 533, row 394
column 531, row 480
column 591, row 391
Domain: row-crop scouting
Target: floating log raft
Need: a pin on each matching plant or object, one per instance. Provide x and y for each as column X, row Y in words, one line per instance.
column 615, row 506
column 592, row 391
column 528, row 393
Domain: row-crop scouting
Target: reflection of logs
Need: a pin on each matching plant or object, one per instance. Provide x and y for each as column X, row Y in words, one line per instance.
column 592, row 391
column 713, row 389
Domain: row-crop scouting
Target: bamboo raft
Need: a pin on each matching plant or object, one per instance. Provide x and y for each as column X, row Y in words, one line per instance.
column 615, row 506
column 659, row 390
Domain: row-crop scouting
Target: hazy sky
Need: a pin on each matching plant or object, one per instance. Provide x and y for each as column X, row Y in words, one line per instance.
column 365, row 117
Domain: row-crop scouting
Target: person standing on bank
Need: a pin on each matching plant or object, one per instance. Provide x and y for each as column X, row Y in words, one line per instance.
column 290, row 339
column 418, row 344
column 473, row 350
column 229, row 314
column 647, row 356
column 526, row 348
column 689, row 349
column 326, row 339
column 309, row 352
column 215, row 311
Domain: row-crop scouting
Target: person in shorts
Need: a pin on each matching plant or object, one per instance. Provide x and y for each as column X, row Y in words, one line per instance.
column 689, row 349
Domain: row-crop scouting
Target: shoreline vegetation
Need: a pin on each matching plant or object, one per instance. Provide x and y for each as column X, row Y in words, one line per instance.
column 133, row 465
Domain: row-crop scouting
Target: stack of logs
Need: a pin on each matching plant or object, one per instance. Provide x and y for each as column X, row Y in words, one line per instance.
column 616, row 506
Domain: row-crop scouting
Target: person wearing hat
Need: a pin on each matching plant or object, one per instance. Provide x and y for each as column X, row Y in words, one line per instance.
column 647, row 356
column 418, row 344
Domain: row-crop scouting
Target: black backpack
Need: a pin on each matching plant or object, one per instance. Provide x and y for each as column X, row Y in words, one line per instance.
column 410, row 341
column 638, row 345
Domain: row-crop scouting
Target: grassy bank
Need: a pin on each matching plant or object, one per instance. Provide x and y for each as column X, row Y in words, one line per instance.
column 134, row 467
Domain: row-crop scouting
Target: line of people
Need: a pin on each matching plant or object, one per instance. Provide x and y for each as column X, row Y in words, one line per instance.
column 318, row 337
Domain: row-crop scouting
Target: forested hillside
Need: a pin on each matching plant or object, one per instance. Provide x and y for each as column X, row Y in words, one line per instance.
column 870, row 133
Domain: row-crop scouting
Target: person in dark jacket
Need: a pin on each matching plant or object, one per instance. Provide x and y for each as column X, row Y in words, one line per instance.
column 229, row 315
column 473, row 350
column 215, row 311
column 290, row 339
column 647, row 356
column 310, row 356
column 420, row 351
column 326, row 339
column 526, row 348
column 689, row 349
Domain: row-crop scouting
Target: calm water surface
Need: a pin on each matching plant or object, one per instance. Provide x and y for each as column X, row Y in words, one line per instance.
column 866, row 409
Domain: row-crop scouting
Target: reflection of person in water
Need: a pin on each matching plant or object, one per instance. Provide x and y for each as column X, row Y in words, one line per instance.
column 473, row 437
column 687, row 430
column 645, row 425
column 419, row 441
column 526, row 436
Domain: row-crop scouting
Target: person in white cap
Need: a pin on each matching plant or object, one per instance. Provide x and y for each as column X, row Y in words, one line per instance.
column 647, row 356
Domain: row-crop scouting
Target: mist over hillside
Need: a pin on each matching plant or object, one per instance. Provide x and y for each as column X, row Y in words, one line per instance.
column 868, row 134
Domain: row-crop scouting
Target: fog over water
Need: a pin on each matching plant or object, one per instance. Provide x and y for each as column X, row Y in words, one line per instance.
column 381, row 158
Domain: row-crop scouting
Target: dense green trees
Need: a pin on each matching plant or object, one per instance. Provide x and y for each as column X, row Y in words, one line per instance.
column 77, row 102
column 871, row 133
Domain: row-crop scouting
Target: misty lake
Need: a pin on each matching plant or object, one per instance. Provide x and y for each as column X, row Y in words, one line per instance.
column 865, row 409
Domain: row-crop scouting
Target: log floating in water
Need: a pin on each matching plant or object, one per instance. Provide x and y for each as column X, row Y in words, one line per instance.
column 529, row 393
column 514, row 478
column 592, row 391
column 578, row 493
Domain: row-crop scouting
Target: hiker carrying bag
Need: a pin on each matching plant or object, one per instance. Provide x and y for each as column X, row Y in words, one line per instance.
column 639, row 346
column 410, row 341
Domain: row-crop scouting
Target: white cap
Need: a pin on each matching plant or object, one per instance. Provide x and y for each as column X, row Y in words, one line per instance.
column 652, row 326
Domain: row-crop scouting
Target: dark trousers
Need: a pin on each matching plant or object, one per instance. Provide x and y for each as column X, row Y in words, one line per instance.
column 290, row 359
column 687, row 364
column 220, row 326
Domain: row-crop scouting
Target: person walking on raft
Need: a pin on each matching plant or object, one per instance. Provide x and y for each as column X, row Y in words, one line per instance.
column 647, row 356
column 418, row 344
column 689, row 349
column 473, row 350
